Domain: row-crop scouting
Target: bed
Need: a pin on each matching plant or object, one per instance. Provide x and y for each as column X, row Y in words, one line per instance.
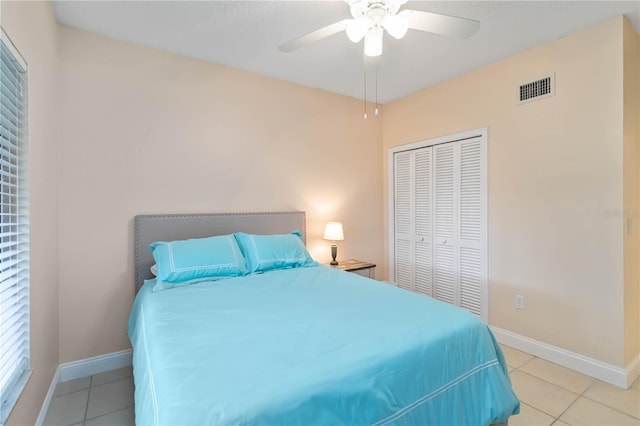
column 302, row 346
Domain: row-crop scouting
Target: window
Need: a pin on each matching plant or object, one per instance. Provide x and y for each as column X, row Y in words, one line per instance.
column 14, row 228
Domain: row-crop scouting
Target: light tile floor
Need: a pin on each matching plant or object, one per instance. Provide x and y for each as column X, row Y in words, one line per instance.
column 102, row 400
column 549, row 395
column 554, row 395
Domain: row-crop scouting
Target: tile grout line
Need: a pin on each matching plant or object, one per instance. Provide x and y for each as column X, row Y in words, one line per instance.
column 527, row 361
column 86, row 407
column 556, row 385
column 576, row 400
column 70, row 392
column 531, row 405
column 612, row 408
column 114, row 380
column 110, row 412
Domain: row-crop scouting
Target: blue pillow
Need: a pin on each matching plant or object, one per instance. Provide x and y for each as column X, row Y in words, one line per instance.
column 187, row 260
column 279, row 251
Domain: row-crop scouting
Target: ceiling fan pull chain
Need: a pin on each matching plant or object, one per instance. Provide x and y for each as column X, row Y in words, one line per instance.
column 376, row 112
column 365, row 93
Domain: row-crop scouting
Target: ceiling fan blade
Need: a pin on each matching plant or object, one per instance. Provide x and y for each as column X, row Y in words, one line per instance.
column 441, row 24
column 316, row 35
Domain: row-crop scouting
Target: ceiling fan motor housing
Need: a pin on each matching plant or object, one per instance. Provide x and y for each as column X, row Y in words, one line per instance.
column 374, row 9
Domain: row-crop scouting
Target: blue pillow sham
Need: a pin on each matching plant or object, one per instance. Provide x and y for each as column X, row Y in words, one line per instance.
column 279, row 251
column 196, row 259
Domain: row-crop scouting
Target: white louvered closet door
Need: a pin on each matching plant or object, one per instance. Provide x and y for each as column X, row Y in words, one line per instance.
column 440, row 222
column 423, row 205
column 413, row 240
column 403, row 219
column 460, row 261
column 472, row 254
column 445, row 185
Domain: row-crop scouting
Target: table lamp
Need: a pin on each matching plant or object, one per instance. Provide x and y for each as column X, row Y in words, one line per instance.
column 333, row 232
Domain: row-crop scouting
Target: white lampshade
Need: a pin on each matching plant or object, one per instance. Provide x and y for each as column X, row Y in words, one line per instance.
column 373, row 42
column 333, row 232
column 357, row 28
column 396, row 25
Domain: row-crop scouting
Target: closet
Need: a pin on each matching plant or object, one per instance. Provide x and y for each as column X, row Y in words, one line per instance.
column 438, row 212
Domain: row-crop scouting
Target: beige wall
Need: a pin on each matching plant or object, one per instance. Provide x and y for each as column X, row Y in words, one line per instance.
column 151, row 132
column 32, row 27
column 631, row 157
column 555, row 167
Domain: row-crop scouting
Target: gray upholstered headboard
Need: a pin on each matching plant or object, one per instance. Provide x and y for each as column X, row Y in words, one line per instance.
column 150, row 228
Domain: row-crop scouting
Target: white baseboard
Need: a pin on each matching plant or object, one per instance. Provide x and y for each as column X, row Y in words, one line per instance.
column 83, row 368
column 618, row 376
column 96, row 365
column 48, row 398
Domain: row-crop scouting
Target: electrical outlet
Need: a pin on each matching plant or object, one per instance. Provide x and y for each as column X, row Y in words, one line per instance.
column 519, row 301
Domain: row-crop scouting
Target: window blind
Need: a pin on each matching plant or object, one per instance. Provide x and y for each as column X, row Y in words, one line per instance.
column 14, row 228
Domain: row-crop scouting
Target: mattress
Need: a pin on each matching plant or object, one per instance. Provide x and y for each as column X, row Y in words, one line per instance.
column 312, row 346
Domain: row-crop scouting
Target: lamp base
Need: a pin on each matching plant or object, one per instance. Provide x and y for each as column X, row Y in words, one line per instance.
column 334, row 253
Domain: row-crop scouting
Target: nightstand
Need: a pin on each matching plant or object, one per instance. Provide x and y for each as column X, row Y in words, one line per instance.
column 359, row 267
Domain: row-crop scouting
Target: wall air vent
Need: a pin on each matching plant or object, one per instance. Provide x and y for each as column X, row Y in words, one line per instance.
column 538, row 89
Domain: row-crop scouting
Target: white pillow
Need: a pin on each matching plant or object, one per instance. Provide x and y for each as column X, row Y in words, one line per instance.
column 154, row 270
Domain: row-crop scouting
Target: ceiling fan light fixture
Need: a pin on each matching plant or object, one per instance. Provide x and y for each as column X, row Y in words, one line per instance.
column 357, row 28
column 373, row 42
column 371, row 18
column 396, row 25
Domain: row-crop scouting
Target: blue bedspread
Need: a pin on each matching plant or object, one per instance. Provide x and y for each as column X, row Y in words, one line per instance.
column 312, row 346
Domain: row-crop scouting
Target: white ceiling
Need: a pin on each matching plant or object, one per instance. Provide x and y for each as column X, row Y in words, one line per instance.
column 246, row 35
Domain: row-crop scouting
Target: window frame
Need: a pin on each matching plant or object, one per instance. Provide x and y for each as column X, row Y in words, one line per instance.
column 17, row 380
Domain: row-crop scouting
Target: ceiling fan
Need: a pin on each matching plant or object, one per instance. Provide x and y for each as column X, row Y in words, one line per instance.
column 372, row 17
